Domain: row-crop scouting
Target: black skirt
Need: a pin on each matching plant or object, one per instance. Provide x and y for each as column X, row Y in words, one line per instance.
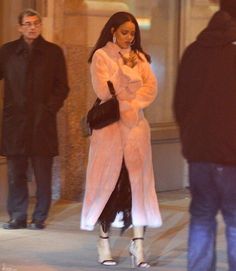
column 119, row 201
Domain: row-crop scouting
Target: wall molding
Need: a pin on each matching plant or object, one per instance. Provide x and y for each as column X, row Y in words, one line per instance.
column 167, row 132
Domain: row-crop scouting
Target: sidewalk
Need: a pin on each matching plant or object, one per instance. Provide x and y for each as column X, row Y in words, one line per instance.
column 62, row 246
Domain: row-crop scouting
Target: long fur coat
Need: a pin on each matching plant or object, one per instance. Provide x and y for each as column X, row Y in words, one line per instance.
column 129, row 138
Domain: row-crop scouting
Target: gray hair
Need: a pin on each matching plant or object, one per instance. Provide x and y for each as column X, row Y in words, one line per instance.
column 28, row 12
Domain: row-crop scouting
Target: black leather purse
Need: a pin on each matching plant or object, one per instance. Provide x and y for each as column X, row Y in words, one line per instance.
column 102, row 114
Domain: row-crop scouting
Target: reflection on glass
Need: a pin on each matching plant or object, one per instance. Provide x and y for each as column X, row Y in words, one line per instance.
column 162, row 42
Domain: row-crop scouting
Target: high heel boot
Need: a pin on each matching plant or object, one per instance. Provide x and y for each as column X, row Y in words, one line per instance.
column 104, row 252
column 136, row 249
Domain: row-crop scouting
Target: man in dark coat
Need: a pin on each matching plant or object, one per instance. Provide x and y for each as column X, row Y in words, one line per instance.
column 35, row 86
column 205, row 109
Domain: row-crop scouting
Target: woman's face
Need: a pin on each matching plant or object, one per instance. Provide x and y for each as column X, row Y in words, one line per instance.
column 125, row 34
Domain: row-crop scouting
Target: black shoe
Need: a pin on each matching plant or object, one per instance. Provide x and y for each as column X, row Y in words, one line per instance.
column 36, row 225
column 14, row 224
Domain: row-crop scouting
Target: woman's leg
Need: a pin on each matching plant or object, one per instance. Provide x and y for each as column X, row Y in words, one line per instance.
column 103, row 246
column 136, row 248
column 119, row 201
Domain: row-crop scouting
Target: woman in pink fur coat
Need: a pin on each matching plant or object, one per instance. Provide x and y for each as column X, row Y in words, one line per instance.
column 120, row 184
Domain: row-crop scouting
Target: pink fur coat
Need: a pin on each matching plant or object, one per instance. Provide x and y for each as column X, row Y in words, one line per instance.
column 136, row 88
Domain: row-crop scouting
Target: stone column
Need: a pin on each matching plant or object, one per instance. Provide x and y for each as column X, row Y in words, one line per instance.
column 70, row 31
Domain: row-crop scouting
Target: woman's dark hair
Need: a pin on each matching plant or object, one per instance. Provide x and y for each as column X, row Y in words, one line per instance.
column 114, row 22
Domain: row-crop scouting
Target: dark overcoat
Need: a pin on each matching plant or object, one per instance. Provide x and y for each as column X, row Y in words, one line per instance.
column 35, row 86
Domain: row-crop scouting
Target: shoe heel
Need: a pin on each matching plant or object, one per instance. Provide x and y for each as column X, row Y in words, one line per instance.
column 136, row 254
column 132, row 261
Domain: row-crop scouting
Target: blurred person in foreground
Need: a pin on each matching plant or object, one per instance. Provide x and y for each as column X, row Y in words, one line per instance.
column 205, row 109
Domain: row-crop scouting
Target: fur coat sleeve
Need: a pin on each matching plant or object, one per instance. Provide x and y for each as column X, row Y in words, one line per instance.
column 136, row 87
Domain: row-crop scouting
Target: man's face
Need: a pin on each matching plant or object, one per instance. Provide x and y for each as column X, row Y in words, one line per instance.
column 30, row 28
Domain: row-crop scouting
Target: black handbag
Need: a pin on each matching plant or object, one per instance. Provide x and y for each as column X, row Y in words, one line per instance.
column 102, row 114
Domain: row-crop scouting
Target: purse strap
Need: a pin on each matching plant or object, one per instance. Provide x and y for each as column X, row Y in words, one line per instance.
column 112, row 91
column 111, row 88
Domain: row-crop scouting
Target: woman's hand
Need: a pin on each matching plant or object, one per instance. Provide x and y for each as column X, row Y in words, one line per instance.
column 130, row 61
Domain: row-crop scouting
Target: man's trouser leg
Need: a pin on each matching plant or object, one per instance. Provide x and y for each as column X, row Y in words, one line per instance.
column 42, row 167
column 17, row 202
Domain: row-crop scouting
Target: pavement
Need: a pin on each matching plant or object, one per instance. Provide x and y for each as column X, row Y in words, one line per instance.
column 62, row 246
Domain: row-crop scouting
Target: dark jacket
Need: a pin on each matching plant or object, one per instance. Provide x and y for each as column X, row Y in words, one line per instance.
column 35, row 86
column 205, row 97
